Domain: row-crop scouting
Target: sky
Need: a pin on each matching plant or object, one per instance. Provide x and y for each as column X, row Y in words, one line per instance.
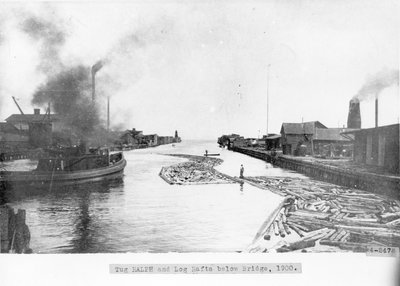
column 206, row 68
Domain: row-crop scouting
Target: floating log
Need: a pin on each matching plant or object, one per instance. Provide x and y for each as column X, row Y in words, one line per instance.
column 345, row 237
column 301, row 244
column 334, row 235
column 381, row 231
column 387, row 217
column 297, row 230
column 317, row 234
column 276, row 229
column 281, row 228
column 294, row 194
column 355, row 247
column 267, row 223
column 299, row 226
column 394, row 222
column 311, row 214
column 341, row 234
column 354, row 211
column 287, row 229
column 355, row 222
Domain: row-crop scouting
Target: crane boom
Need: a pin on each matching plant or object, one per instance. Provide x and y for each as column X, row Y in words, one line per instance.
column 20, row 110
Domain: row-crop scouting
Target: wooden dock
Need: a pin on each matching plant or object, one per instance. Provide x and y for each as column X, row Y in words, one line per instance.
column 14, row 233
column 373, row 182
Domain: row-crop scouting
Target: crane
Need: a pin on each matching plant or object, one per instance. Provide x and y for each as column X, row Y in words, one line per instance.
column 20, row 110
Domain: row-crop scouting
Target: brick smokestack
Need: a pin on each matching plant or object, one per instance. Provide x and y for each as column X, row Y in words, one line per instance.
column 354, row 117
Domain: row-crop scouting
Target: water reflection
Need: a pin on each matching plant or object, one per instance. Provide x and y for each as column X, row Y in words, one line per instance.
column 13, row 194
column 82, row 233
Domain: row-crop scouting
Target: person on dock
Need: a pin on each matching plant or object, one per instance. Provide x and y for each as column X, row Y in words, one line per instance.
column 241, row 171
column 206, row 153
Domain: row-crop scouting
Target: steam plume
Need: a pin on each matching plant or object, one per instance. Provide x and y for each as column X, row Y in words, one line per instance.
column 376, row 83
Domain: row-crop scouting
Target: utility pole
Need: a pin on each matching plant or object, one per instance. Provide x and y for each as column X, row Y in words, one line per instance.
column 268, row 96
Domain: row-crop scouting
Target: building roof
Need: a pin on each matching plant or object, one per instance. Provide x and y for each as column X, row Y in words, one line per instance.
column 27, row 118
column 392, row 127
column 330, row 134
column 273, row 137
column 125, row 133
column 301, row 128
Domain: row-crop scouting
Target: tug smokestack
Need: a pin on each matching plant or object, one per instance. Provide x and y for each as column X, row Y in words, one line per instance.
column 354, row 117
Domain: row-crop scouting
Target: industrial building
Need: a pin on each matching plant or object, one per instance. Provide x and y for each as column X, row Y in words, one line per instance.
column 151, row 139
column 12, row 139
column 331, row 142
column 165, row 140
column 378, row 146
column 272, row 141
column 135, row 139
column 24, row 131
column 314, row 138
column 22, row 121
column 298, row 136
column 227, row 140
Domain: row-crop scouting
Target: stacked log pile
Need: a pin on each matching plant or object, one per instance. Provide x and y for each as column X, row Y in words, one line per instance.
column 326, row 214
column 199, row 170
column 14, row 233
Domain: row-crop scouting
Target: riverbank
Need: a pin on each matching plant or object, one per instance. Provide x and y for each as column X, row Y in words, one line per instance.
column 198, row 170
column 340, row 171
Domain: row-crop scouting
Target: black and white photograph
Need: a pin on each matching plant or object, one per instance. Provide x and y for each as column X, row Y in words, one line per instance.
column 261, row 131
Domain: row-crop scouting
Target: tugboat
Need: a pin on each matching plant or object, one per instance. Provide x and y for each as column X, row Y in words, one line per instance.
column 68, row 166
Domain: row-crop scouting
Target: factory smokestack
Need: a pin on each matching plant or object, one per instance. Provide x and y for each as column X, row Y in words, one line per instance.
column 354, row 117
column 108, row 114
column 376, row 112
column 95, row 68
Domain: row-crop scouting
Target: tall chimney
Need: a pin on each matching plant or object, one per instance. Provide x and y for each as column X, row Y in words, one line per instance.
column 108, row 114
column 354, row 117
column 376, row 112
column 95, row 68
column 93, row 86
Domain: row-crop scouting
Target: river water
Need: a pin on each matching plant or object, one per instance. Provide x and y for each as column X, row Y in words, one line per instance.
column 142, row 213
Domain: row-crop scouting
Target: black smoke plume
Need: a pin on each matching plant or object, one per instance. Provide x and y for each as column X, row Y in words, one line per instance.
column 51, row 38
column 69, row 95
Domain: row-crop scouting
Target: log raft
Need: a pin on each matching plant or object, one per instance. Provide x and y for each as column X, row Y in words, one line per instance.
column 345, row 219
